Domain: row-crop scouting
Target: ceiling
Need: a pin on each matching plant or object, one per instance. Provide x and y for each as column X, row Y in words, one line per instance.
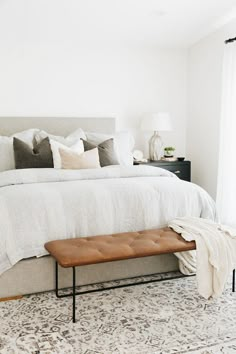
column 168, row 23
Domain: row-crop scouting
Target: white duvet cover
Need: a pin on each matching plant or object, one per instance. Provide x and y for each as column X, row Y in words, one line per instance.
column 39, row 205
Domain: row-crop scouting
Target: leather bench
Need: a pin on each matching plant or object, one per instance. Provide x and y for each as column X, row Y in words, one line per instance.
column 71, row 253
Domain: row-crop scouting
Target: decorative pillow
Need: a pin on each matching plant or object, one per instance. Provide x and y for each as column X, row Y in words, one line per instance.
column 39, row 157
column 106, row 151
column 72, row 160
column 55, row 146
column 28, row 136
column 7, row 160
column 123, row 144
column 70, row 140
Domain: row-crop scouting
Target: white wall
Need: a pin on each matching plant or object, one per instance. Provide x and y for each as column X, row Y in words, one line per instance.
column 205, row 64
column 47, row 70
column 61, row 79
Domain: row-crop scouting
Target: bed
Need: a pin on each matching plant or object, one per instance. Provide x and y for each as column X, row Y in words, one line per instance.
column 40, row 205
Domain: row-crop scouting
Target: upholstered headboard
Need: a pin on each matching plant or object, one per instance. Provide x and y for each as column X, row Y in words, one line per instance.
column 53, row 125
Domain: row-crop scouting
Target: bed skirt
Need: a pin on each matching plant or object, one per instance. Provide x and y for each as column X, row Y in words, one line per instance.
column 35, row 275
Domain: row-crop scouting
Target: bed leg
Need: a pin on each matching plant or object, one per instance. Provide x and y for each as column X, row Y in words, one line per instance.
column 74, row 282
column 233, row 282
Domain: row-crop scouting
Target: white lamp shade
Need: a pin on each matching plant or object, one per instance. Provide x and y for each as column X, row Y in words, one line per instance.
column 156, row 122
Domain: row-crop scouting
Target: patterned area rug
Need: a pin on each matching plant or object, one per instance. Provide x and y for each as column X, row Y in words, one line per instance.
column 162, row 318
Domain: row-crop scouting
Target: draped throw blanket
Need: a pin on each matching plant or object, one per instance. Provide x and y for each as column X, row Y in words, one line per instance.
column 215, row 256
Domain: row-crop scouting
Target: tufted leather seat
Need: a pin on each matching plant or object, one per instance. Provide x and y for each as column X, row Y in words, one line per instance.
column 98, row 249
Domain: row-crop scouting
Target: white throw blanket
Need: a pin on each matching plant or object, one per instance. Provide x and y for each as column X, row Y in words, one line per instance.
column 40, row 205
column 215, row 257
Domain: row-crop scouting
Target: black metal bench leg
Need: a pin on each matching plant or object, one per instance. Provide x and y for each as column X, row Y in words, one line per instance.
column 56, row 279
column 74, row 282
column 65, row 295
column 233, row 282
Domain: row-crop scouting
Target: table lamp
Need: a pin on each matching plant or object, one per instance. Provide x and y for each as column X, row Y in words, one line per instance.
column 156, row 122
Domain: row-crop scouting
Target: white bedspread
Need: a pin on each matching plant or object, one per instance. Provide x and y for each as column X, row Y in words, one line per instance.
column 40, row 205
column 215, row 254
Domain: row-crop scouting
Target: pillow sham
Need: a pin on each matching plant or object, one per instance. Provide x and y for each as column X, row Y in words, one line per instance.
column 123, row 144
column 28, row 136
column 55, row 146
column 70, row 140
column 72, row 160
column 38, row 157
column 7, row 160
column 106, row 152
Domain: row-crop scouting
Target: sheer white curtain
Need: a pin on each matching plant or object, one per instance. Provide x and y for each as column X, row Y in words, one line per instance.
column 226, row 187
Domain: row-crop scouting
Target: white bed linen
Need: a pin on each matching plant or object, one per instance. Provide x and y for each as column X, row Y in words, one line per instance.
column 39, row 205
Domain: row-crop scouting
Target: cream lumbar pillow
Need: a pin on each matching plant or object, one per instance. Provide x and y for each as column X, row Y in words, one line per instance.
column 72, row 160
column 78, row 147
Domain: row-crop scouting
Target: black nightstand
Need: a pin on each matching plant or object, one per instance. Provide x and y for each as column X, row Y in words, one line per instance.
column 182, row 169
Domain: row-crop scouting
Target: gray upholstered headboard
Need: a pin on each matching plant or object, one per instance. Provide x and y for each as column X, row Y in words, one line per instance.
column 53, row 125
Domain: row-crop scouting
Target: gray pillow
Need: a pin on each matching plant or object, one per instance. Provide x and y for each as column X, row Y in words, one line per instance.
column 39, row 157
column 106, row 151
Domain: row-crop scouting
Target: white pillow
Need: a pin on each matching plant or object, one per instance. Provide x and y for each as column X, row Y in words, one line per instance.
column 7, row 159
column 72, row 160
column 27, row 136
column 78, row 147
column 123, row 143
column 70, row 140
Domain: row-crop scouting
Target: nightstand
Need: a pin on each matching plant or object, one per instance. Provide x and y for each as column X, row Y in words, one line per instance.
column 182, row 169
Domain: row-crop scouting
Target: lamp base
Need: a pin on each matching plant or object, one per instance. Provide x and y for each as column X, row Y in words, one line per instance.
column 155, row 147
